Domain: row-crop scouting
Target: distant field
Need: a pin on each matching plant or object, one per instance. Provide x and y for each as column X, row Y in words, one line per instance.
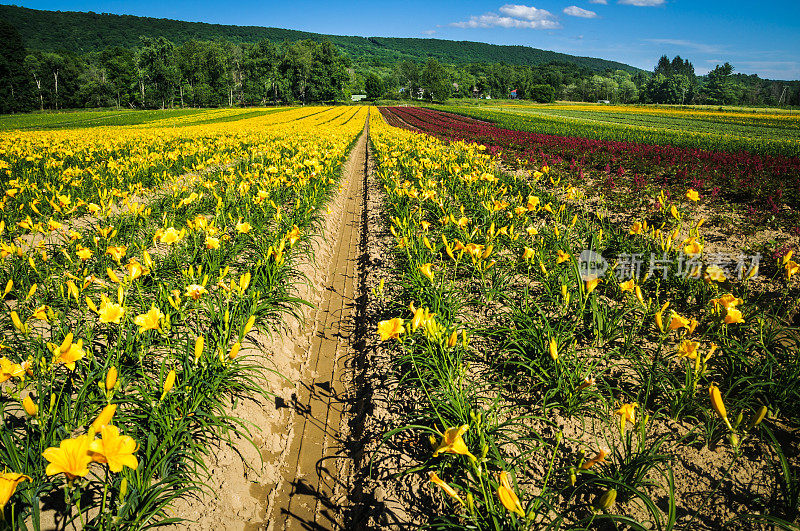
column 758, row 131
column 124, row 117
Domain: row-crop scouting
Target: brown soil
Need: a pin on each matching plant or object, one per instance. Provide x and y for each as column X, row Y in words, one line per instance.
column 295, row 472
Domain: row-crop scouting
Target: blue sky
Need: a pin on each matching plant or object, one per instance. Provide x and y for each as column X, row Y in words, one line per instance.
column 756, row 38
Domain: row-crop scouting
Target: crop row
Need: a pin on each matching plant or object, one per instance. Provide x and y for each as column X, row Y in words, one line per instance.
column 125, row 330
column 562, row 371
column 769, row 123
column 771, row 180
column 774, row 136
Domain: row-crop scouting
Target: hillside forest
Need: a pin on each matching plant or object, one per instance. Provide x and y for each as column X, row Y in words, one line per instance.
column 158, row 73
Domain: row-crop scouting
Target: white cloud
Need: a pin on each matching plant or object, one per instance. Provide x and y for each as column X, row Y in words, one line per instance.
column 429, row 32
column 642, row 3
column 526, row 12
column 603, row 2
column 518, row 16
column 696, row 46
column 576, row 11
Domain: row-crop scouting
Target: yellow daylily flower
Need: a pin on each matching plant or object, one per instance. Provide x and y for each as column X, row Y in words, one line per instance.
column 598, row 458
column 715, row 273
column 84, row 253
column 195, row 291
column 169, row 235
column 791, row 267
column 692, row 247
column 627, row 285
column 116, row 252
column 136, row 270
column 592, row 284
column 638, row 228
column 40, row 313
column 70, row 458
column 507, row 495
column 688, row 349
column 243, row 227
column 528, row 253
column 436, row 480
column 110, row 312
column 391, row 329
column 9, row 370
column 150, row 320
column 115, row 449
column 733, row 316
column 425, row 269
column 678, row 321
column 8, row 485
column 293, row 235
column 70, row 354
column 627, row 412
column 727, row 301
column 453, row 442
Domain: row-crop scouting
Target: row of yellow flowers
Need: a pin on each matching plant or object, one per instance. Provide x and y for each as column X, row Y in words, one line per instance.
column 461, row 230
column 140, row 307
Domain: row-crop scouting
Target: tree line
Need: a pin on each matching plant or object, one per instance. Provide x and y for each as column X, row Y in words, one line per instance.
column 160, row 74
column 197, row 73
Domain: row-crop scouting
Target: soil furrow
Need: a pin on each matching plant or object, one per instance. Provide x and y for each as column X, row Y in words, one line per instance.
column 295, row 474
column 309, row 495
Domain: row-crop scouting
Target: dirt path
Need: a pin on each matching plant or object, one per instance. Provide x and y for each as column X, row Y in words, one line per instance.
column 296, row 473
column 315, row 478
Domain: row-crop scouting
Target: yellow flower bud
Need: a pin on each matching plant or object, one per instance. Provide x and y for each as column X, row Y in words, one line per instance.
column 111, row 378
column 30, row 408
column 123, row 489
column 244, row 281
column 198, row 348
column 451, row 342
column 169, row 382
column 17, row 322
column 719, row 407
column 234, row 350
column 249, row 325
column 9, row 287
column 66, row 344
column 104, row 417
column 608, row 499
column 113, row 276
column 757, row 417
column 553, row 349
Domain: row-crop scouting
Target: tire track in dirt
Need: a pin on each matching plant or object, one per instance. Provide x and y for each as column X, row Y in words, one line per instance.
column 294, row 471
column 315, row 480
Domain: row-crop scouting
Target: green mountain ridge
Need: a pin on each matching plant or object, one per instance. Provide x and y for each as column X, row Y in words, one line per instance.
column 82, row 32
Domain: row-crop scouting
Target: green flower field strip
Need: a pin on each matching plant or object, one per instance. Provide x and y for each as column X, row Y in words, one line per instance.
column 141, row 321
column 577, row 405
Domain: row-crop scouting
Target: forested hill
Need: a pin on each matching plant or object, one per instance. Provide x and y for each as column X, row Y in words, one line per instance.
column 77, row 32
